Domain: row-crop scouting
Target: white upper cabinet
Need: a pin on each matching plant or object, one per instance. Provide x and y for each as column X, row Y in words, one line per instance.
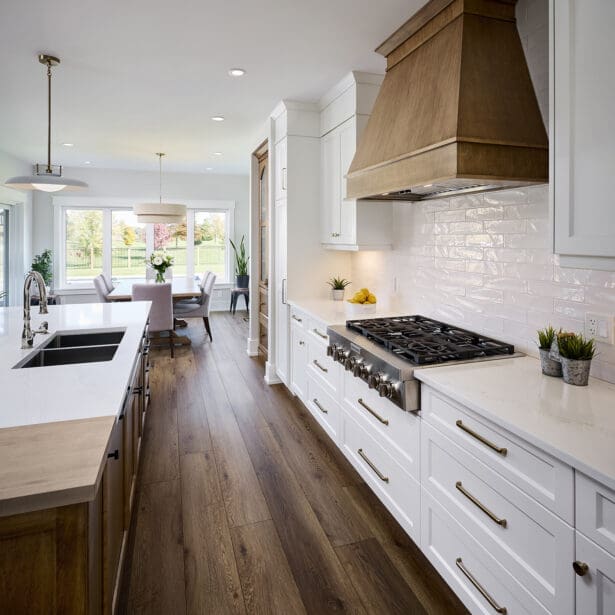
column 582, row 128
column 348, row 224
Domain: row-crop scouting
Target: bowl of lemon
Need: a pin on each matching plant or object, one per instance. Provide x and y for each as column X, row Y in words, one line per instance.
column 362, row 302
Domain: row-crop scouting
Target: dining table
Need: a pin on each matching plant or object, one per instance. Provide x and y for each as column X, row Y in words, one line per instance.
column 181, row 288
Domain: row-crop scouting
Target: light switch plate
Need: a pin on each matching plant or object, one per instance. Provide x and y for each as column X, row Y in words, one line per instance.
column 600, row 327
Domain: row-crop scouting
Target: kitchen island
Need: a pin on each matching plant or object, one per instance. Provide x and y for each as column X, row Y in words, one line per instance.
column 69, row 447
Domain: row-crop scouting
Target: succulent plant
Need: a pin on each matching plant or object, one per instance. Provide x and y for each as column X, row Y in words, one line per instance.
column 338, row 283
column 546, row 337
column 575, row 347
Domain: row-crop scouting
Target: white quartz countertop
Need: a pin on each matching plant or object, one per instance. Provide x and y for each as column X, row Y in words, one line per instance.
column 39, row 395
column 574, row 424
column 55, row 421
column 337, row 312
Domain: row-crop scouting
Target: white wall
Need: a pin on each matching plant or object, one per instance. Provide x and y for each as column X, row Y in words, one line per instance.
column 111, row 183
column 486, row 262
column 21, row 242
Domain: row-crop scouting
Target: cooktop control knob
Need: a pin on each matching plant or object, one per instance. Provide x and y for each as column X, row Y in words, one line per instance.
column 330, row 350
column 350, row 363
column 358, row 368
column 386, row 388
column 373, row 380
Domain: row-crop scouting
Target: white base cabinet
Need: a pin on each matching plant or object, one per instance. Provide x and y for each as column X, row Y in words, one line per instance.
column 595, row 582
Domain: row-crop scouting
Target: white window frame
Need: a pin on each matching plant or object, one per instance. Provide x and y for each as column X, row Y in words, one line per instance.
column 108, row 205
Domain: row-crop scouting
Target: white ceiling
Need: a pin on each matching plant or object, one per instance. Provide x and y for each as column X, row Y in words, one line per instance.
column 141, row 76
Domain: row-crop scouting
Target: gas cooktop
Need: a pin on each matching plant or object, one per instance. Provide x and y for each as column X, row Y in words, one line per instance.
column 423, row 341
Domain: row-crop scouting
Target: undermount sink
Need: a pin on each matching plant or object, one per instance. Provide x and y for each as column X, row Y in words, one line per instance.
column 46, row 357
column 74, row 340
column 74, row 347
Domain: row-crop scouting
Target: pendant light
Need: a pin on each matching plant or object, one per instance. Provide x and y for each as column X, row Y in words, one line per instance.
column 171, row 213
column 46, row 177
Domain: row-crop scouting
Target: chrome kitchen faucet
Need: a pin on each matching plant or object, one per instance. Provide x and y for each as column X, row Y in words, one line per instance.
column 27, row 335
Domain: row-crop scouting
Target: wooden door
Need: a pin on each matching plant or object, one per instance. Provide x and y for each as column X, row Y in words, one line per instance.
column 263, row 251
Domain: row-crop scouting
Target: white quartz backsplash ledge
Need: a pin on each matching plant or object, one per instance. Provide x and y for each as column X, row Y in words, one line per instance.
column 66, row 392
column 484, row 262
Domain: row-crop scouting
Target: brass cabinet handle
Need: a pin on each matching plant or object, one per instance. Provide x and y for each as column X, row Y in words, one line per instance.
column 484, row 593
column 301, row 343
column 335, row 234
column 324, row 337
column 369, row 462
column 498, row 449
column 317, row 404
column 581, row 568
column 297, row 319
column 373, row 412
column 319, row 366
column 480, row 505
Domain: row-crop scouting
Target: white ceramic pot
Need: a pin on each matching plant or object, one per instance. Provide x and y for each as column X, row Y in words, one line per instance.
column 338, row 294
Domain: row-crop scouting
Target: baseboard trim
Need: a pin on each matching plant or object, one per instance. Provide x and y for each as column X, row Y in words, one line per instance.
column 271, row 376
column 252, row 348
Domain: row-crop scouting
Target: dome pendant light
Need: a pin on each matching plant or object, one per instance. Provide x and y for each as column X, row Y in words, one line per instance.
column 47, row 178
column 169, row 213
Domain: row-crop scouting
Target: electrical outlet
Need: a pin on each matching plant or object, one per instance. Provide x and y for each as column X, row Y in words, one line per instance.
column 600, row 327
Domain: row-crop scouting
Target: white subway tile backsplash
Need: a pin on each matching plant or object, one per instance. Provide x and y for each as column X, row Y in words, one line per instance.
column 485, row 262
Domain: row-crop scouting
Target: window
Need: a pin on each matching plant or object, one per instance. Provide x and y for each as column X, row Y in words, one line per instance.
column 128, row 245
column 4, row 256
column 84, row 244
column 211, row 243
column 107, row 238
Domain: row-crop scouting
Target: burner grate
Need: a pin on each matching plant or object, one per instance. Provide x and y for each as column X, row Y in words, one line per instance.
column 423, row 341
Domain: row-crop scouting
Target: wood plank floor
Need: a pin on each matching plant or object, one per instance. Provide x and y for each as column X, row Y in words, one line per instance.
column 245, row 506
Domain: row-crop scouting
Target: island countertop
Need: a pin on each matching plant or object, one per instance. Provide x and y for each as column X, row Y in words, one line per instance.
column 56, row 421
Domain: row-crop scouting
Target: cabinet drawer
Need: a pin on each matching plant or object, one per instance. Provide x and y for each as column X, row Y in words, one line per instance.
column 595, row 511
column 596, row 588
column 298, row 318
column 468, row 568
column 324, row 368
column 545, row 478
column 386, row 476
column 396, row 430
column 323, row 406
column 318, row 332
column 531, row 543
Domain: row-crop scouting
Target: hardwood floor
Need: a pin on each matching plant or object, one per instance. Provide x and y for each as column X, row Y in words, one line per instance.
column 245, row 506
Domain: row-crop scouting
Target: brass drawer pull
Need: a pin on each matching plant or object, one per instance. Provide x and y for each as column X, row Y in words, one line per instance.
column 484, row 593
column 498, row 449
column 373, row 412
column 368, row 461
column 317, row 404
column 301, row 343
column 324, row 337
column 297, row 319
column 319, row 366
column 480, row 505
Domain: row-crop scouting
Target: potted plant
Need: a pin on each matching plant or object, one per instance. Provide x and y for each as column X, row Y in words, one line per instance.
column 160, row 261
column 43, row 264
column 576, row 353
column 338, row 286
column 242, row 279
column 550, row 367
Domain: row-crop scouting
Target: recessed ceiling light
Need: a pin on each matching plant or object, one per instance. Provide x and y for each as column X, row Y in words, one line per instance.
column 237, row 72
column 385, row 194
column 87, row 162
column 217, row 153
column 427, row 185
column 217, row 118
column 68, row 144
column 209, row 169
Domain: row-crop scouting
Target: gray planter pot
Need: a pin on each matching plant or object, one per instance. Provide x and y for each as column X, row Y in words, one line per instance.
column 576, row 372
column 549, row 366
column 338, row 294
column 242, row 281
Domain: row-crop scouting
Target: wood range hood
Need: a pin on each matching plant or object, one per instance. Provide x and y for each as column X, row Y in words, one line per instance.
column 456, row 112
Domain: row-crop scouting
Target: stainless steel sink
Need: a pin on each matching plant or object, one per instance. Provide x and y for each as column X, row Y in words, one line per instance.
column 77, row 339
column 46, row 357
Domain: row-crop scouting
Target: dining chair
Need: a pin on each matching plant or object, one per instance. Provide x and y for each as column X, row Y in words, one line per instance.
column 161, row 312
column 200, row 306
column 108, row 282
column 101, row 289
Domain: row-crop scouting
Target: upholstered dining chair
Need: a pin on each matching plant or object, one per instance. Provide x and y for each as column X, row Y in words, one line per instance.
column 101, row 289
column 161, row 313
column 198, row 307
column 108, row 282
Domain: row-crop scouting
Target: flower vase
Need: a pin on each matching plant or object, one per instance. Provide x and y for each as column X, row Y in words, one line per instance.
column 159, row 277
